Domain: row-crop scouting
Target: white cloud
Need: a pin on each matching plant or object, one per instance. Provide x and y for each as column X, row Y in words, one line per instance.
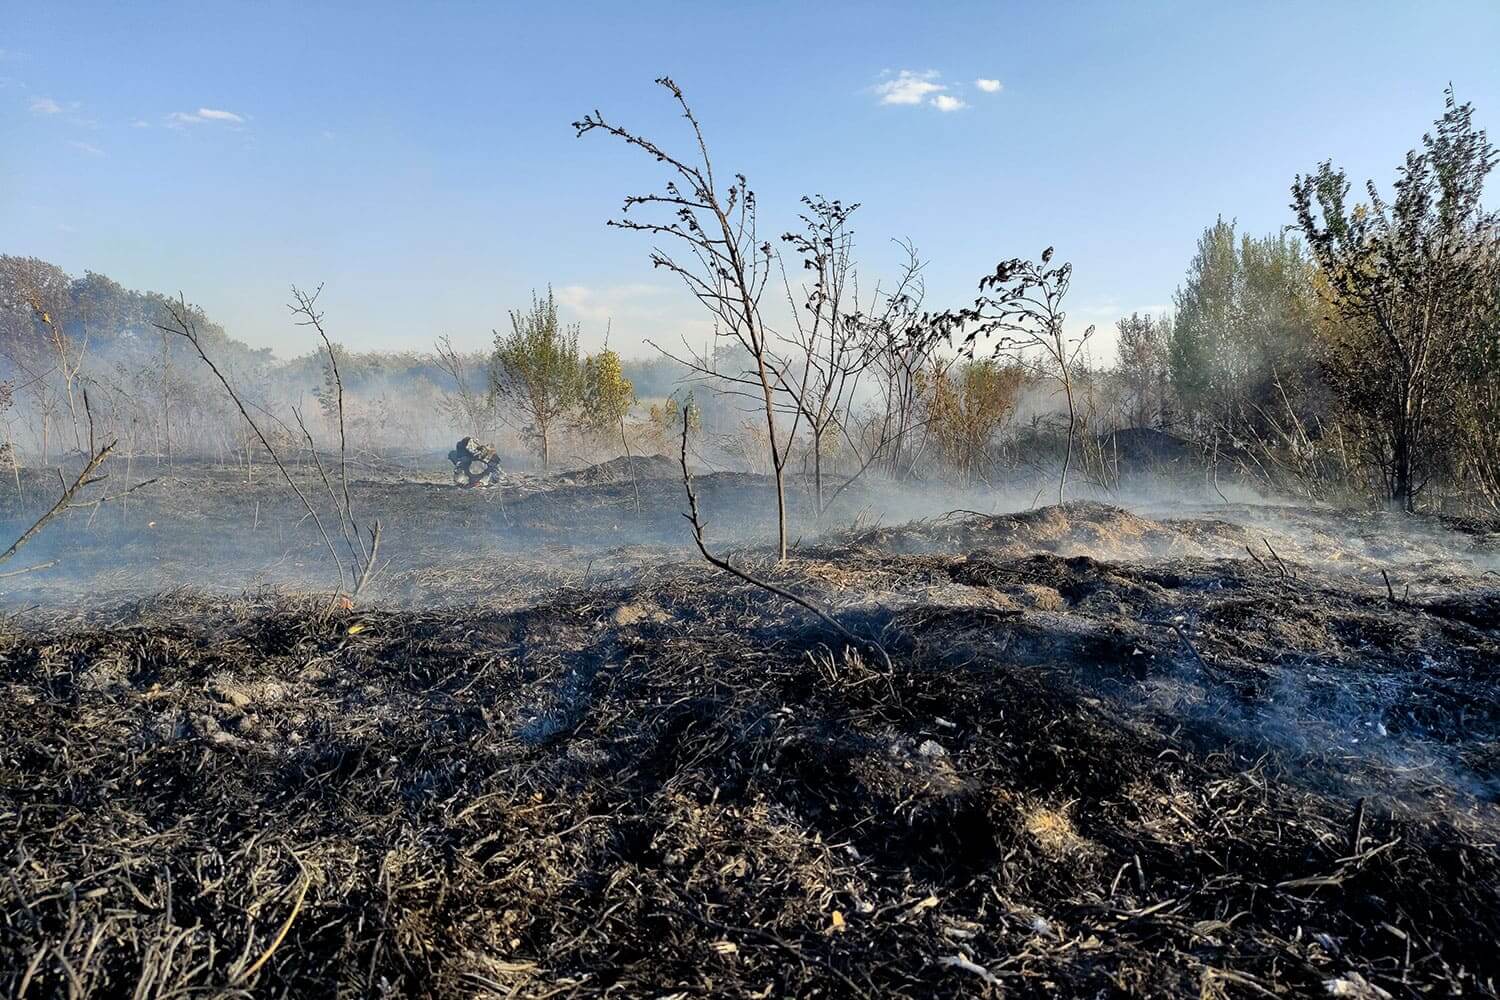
column 140, row 123
column 908, row 87
column 989, row 86
column 632, row 314
column 598, row 305
column 48, row 107
column 178, row 119
column 86, row 148
column 911, row 88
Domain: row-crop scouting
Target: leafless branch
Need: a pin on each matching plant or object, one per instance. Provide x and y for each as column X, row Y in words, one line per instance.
column 696, row 521
column 183, row 326
column 85, row 478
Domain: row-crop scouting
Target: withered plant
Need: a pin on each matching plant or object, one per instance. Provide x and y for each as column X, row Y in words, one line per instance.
column 726, row 264
column 363, row 558
column 1019, row 309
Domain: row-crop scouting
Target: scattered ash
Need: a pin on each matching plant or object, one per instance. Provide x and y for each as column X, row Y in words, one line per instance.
column 1412, row 551
column 1135, row 771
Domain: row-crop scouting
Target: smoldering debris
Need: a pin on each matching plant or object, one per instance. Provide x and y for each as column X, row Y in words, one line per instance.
column 234, row 795
column 1113, row 753
column 228, row 529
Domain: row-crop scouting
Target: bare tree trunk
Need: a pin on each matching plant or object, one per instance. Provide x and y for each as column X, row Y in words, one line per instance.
column 15, row 466
column 778, row 458
column 1062, row 479
column 1401, row 491
column 818, row 470
column 73, row 411
column 1404, row 492
column 736, row 263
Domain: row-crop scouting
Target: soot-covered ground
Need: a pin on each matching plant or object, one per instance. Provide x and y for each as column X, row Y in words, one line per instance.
column 1209, row 754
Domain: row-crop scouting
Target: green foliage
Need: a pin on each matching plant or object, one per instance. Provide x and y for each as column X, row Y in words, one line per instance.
column 1412, row 283
column 116, row 323
column 327, row 391
column 536, row 368
column 664, row 421
column 607, row 395
column 1244, row 327
column 1144, row 366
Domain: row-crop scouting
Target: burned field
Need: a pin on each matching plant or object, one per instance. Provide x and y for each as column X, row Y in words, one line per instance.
column 1203, row 753
column 226, row 530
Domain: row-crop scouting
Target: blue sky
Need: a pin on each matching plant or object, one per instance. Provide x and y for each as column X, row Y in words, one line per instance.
column 417, row 158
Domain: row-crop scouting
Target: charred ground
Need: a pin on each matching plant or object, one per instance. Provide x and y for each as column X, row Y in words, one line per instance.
column 1201, row 753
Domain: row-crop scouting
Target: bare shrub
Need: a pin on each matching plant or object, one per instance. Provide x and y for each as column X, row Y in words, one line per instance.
column 363, row 559
column 727, row 265
column 828, row 345
column 965, row 405
column 1020, row 307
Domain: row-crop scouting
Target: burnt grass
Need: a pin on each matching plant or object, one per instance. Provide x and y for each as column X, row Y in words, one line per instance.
column 1153, row 770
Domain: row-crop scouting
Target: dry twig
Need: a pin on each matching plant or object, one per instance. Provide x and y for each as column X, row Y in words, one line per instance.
column 696, row 521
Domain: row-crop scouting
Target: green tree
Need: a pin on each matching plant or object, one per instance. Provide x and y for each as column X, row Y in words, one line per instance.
column 1243, row 335
column 536, row 369
column 665, row 419
column 1144, row 353
column 1413, row 282
column 607, row 395
column 607, row 398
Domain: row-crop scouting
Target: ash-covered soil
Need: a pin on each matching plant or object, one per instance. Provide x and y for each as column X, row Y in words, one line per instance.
column 1201, row 752
column 225, row 530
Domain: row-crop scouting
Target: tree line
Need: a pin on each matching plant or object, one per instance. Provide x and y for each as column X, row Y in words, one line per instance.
column 1352, row 355
column 1358, row 350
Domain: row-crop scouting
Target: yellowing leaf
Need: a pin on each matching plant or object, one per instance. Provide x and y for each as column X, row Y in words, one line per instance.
column 356, row 628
